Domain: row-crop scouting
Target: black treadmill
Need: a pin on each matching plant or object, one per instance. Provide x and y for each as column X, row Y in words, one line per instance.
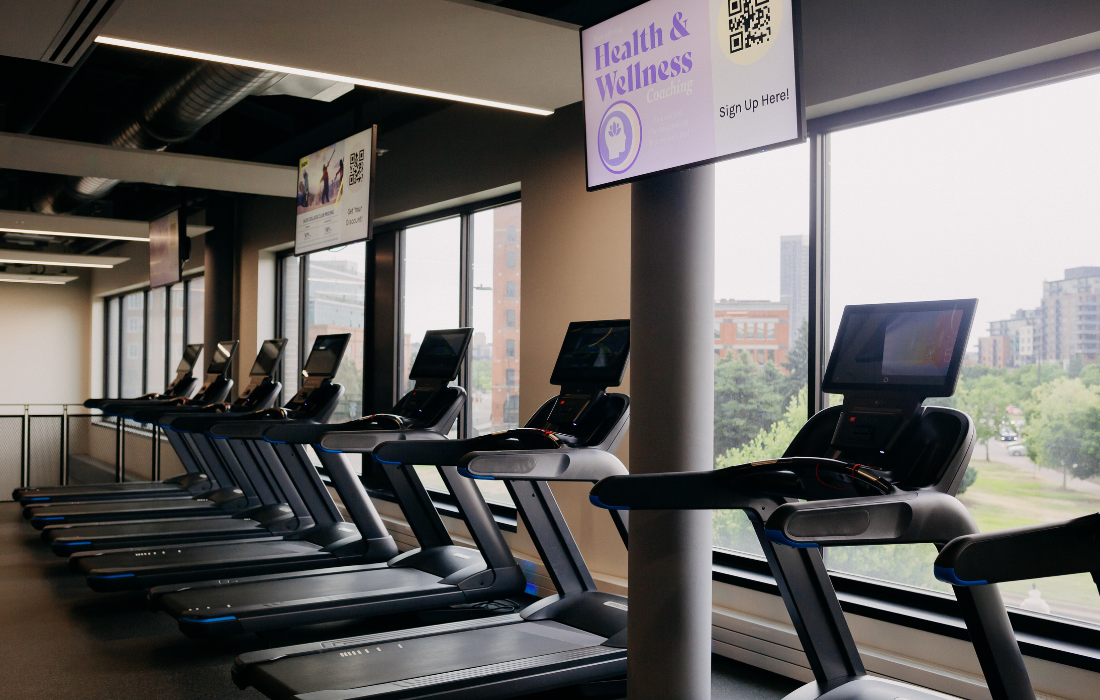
column 273, row 515
column 182, row 387
column 329, row 541
column 576, row 636
column 437, row 574
column 879, row 469
column 195, row 480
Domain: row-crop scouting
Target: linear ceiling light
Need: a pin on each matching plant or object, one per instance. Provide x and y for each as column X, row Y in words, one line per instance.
column 73, row 234
column 141, row 46
column 19, row 257
column 35, row 279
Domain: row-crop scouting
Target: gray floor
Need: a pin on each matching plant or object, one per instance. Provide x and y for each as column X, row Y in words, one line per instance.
column 61, row 640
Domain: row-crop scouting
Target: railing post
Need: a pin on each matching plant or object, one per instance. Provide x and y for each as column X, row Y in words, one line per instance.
column 64, row 480
column 24, row 449
column 154, row 471
column 118, row 449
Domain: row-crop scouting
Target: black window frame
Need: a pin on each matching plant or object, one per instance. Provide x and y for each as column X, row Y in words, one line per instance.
column 120, row 332
column 1048, row 637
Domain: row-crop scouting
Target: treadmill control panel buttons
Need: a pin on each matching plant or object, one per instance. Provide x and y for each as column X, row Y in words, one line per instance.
column 569, row 409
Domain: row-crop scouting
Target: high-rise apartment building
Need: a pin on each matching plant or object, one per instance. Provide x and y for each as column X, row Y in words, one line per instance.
column 794, row 279
column 506, row 312
column 1069, row 314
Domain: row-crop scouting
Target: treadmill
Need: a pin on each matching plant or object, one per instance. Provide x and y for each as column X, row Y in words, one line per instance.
column 576, row 636
column 182, row 386
column 438, row 574
column 252, row 522
column 328, row 542
column 213, row 392
column 879, row 469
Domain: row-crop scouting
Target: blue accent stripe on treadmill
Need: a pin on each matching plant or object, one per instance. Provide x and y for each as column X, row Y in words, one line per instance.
column 52, row 517
column 531, row 589
column 335, row 452
column 276, row 442
column 209, row 619
column 384, row 461
column 110, row 575
column 37, row 498
column 778, row 537
column 947, row 575
column 216, row 437
column 600, row 504
column 71, row 544
column 466, row 473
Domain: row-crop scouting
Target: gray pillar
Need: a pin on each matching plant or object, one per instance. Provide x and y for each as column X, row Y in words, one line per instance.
column 671, row 430
column 220, row 267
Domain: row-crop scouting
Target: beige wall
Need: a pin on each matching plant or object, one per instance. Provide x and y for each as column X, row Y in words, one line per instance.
column 46, row 342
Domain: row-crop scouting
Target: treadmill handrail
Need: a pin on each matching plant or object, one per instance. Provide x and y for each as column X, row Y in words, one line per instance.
column 1033, row 551
column 565, row 464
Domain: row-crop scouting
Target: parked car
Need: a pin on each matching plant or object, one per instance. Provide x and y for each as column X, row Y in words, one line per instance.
column 1017, row 450
column 1008, row 436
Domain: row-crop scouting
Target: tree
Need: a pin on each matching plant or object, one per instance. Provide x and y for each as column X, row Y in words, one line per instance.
column 985, row 400
column 969, row 477
column 748, row 398
column 770, row 443
column 1090, row 374
column 797, row 364
column 1063, row 427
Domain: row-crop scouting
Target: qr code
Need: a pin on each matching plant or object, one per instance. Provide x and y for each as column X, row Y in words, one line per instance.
column 356, row 174
column 750, row 23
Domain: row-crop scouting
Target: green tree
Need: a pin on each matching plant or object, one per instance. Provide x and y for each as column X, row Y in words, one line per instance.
column 770, row 443
column 985, row 399
column 969, row 477
column 748, row 398
column 1090, row 375
column 482, row 371
column 797, row 364
column 1063, row 427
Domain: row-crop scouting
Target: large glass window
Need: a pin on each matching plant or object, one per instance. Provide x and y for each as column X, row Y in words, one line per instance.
column 495, row 304
column 431, row 274
column 155, row 367
column 993, row 199
column 336, row 285
column 175, row 327
column 133, row 323
column 761, row 270
column 112, row 333
column 196, row 318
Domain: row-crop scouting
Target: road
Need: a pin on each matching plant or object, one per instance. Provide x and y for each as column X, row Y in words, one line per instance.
column 998, row 452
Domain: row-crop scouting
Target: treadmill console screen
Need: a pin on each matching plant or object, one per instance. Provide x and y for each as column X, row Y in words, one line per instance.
column 268, row 357
column 223, row 355
column 441, row 354
column 326, row 354
column 190, row 354
column 913, row 347
column 594, row 352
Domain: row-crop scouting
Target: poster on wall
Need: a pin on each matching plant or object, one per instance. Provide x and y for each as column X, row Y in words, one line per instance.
column 164, row 250
column 675, row 83
column 335, row 194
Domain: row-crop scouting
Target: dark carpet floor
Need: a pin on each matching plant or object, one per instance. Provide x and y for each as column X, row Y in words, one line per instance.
column 59, row 639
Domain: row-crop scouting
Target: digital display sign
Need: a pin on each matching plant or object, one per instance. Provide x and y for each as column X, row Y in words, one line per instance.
column 675, row 83
column 335, row 202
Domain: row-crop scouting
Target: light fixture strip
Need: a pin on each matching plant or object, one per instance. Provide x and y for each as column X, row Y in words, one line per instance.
column 53, row 263
column 35, row 232
column 141, row 46
column 27, row 281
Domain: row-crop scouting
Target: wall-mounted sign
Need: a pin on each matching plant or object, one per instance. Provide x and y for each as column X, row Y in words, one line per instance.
column 164, row 250
column 675, row 83
column 335, row 194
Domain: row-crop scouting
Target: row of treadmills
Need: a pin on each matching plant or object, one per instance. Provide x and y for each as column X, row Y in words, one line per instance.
column 250, row 539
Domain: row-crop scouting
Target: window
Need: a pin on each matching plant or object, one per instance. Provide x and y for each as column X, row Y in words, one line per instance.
column 431, row 276
column 336, row 288
column 509, row 377
column 511, row 260
column 288, row 323
column 510, row 318
column 761, row 202
column 991, row 199
column 510, row 289
column 151, row 328
column 510, row 347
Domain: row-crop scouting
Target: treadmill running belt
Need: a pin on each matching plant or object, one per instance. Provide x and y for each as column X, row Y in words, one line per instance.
column 286, row 592
column 403, row 663
column 215, row 553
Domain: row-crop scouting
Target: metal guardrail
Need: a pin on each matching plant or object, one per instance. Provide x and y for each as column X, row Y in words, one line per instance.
column 38, row 448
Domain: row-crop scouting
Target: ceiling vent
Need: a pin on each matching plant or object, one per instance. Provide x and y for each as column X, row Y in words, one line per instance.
column 79, row 31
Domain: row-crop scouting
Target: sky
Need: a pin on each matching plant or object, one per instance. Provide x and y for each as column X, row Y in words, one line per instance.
column 986, row 199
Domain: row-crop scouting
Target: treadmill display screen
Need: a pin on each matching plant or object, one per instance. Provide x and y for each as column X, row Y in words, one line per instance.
column 190, row 354
column 594, row 352
column 268, row 357
column 326, row 354
column 441, row 354
column 223, row 355
column 916, row 347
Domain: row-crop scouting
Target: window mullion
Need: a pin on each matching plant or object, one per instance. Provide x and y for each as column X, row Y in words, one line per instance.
column 818, row 327
column 465, row 310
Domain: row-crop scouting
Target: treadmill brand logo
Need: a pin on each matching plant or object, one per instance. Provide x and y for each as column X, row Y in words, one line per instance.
column 620, row 138
column 613, row 604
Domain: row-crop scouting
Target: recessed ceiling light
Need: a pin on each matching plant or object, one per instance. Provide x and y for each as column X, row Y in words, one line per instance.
column 20, row 257
column 141, row 46
column 35, row 224
column 72, row 234
column 35, row 279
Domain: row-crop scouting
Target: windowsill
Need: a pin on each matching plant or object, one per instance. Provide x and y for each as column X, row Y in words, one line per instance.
column 1040, row 636
column 445, row 504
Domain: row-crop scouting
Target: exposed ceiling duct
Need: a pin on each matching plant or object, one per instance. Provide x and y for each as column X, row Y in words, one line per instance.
column 175, row 114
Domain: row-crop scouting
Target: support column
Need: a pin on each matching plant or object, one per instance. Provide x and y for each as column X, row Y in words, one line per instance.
column 671, row 430
column 220, row 269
